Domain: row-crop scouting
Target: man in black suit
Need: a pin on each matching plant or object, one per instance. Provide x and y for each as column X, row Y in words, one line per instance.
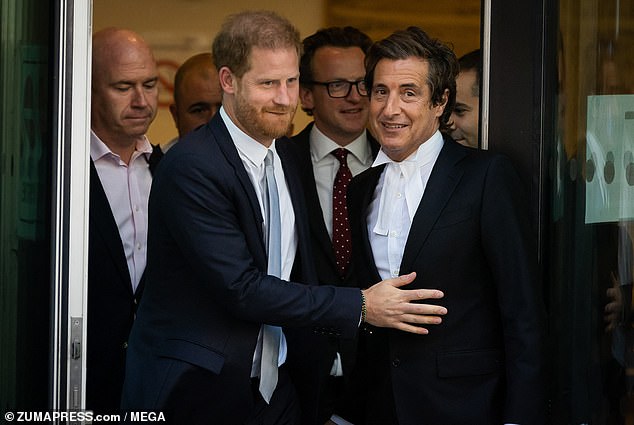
column 213, row 287
column 332, row 91
column 124, row 100
column 457, row 217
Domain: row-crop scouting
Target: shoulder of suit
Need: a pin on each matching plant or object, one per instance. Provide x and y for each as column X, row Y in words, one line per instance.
column 304, row 135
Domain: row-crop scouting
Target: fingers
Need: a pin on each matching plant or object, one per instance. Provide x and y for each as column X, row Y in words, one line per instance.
column 612, row 307
column 389, row 306
column 403, row 280
column 410, row 322
column 406, row 327
column 417, row 319
column 423, row 310
column 422, row 294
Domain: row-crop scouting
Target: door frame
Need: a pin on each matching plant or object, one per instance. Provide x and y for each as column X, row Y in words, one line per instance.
column 520, row 79
column 71, row 129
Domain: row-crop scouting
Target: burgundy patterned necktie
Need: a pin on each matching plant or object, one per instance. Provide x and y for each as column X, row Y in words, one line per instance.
column 341, row 240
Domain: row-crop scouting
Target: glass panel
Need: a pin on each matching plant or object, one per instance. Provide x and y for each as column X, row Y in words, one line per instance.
column 592, row 216
column 25, row 181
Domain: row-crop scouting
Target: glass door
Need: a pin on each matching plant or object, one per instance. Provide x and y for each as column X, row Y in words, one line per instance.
column 25, row 203
column 44, row 98
column 591, row 218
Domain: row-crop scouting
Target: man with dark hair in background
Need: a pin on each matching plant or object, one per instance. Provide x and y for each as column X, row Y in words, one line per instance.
column 466, row 114
column 332, row 149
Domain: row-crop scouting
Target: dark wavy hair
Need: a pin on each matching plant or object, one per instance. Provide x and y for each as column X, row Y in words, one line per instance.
column 335, row 37
column 471, row 61
column 414, row 42
column 243, row 31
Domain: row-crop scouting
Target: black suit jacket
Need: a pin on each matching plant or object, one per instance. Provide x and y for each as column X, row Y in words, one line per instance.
column 311, row 355
column 111, row 302
column 470, row 238
column 207, row 292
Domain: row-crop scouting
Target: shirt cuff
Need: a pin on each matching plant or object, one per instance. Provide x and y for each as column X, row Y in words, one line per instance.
column 341, row 421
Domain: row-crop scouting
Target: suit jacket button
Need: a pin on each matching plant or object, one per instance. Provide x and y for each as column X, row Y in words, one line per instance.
column 125, row 345
column 396, row 362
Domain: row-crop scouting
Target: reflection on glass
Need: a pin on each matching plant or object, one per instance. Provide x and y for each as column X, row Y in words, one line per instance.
column 25, row 203
column 592, row 216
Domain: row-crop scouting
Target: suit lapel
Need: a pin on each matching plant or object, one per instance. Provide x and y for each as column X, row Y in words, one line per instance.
column 291, row 173
column 370, row 180
column 104, row 223
column 315, row 213
column 224, row 141
column 442, row 182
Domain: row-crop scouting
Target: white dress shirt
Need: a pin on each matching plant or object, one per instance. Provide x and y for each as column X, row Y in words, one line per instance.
column 127, row 188
column 252, row 154
column 326, row 165
column 395, row 201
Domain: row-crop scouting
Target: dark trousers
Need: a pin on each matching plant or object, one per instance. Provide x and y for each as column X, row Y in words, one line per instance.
column 196, row 401
column 284, row 407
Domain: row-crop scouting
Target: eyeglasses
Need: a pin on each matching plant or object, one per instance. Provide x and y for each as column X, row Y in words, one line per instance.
column 341, row 88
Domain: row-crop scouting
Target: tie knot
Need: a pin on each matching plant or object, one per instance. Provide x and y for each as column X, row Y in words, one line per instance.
column 268, row 159
column 341, row 155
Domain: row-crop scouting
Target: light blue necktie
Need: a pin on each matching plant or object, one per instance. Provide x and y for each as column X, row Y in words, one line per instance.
column 271, row 335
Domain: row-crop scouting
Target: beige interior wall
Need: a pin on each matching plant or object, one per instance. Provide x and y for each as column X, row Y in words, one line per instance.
column 177, row 29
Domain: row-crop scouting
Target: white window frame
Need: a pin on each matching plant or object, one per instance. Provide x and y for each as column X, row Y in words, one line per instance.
column 70, row 204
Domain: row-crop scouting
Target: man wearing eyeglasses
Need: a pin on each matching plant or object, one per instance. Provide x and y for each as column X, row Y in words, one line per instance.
column 332, row 149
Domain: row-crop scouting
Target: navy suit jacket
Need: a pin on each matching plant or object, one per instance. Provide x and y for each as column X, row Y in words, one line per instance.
column 311, row 354
column 470, row 238
column 207, row 292
column 111, row 302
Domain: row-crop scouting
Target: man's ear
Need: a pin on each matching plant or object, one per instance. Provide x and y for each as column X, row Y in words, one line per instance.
column 440, row 108
column 227, row 80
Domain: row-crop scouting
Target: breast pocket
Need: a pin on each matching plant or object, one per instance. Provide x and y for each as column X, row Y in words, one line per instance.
column 453, row 216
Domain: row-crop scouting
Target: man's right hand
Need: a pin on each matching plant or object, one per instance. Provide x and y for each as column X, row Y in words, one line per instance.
column 387, row 306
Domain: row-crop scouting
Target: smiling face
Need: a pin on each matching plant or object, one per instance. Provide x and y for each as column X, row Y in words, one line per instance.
column 466, row 112
column 263, row 101
column 341, row 119
column 124, row 88
column 401, row 112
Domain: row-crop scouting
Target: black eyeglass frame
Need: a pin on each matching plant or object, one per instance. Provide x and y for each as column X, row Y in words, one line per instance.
column 328, row 85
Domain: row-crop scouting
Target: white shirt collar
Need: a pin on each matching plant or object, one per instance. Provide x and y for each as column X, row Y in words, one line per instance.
column 426, row 152
column 98, row 149
column 253, row 151
column 416, row 170
column 321, row 146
